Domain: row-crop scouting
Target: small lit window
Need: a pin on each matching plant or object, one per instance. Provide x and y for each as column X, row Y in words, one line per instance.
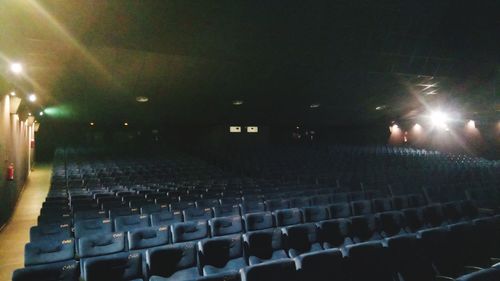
column 235, row 129
column 252, row 129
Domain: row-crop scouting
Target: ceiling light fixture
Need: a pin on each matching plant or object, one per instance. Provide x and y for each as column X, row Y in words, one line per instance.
column 125, row 124
column 314, row 105
column 32, row 97
column 91, row 123
column 380, row 107
column 16, row 68
column 142, row 99
column 13, row 93
column 41, row 113
column 237, row 102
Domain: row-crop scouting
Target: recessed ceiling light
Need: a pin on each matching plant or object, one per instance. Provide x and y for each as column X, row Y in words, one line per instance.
column 142, row 99
column 314, row 105
column 16, row 68
column 237, row 102
column 381, row 107
column 32, row 97
column 92, row 124
column 125, row 124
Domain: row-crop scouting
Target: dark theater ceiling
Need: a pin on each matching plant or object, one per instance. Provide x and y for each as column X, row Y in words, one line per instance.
column 361, row 61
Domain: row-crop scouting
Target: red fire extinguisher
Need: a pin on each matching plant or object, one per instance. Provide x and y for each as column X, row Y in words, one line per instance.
column 10, row 172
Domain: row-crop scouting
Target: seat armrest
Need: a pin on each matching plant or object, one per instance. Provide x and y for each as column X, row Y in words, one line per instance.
column 486, row 211
column 443, row 278
column 471, row 268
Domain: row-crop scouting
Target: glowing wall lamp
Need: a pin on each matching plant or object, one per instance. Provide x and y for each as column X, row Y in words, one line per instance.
column 14, row 104
column 30, row 120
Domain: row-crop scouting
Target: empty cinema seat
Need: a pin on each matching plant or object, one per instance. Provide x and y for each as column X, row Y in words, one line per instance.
column 368, row 261
column 264, row 245
column 321, row 266
column 335, row 233
column 258, row 221
column 51, row 232
column 301, row 239
column 92, row 226
column 127, row 223
column 315, row 214
column 165, row 218
column 48, row 251
column 279, row 270
column 101, row 244
column 339, row 210
column 121, row 266
column 226, row 211
column 362, row 207
column 285, row 217
column 365, row 228
column 225, row 226
column 248, row 207
column 391, row 223
column 173, row 262
column 62, row 271
column 139, row 239
column 197, row 214
column 189, row 231
column 221, row 255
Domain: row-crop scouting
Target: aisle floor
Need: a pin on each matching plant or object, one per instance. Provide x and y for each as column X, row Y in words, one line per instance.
column 16, row 233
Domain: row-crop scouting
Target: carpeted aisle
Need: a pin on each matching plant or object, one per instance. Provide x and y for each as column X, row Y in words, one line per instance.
column 16, row 233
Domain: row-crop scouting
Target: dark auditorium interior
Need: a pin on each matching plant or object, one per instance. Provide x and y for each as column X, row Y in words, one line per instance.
column 237, row 140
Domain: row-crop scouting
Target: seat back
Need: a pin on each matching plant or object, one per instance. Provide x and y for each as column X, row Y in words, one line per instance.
column 226, row 211
column 225, row 226
column 339, row 210
column 47, row 251
column 280, row 270
column 263, row 243
column 121, row 266
column 361, row 265
column 321, row 266
column 148, row 237
column 92, row 226
column 53, row 232
column 189, row 231
column 101, row 244
column 126, row 223
column 258, row 221
column 64, row 271
column 165, row 218
column 197, row 214
column 218, row 251
column 361, row 207
column 315, row 214
column 165, row 261
column 286, row 217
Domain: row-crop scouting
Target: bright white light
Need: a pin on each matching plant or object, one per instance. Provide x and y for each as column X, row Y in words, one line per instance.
column 471, row 124
column 417, row 127
column 237, row 102
column 13, row 93
column 32, row 97
column 439, row 119
column 41, row 113
column 16, row 68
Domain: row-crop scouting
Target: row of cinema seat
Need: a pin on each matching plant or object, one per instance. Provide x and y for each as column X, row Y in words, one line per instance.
column 66, row 211
column 292, row 254
column 299, row 237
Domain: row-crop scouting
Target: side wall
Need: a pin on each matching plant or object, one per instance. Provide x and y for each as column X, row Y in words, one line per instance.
column 15, row 147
